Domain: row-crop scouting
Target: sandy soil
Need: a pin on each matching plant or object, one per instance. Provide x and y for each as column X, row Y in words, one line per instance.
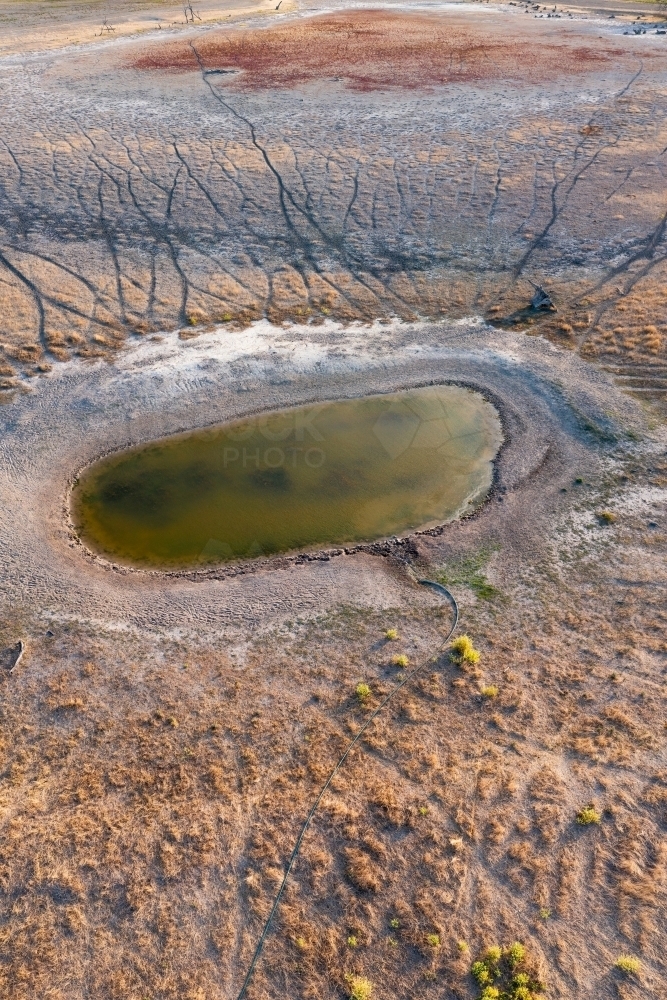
column 163, row 736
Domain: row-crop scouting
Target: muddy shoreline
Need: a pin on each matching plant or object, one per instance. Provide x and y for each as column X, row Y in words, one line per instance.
column 237, row 567
column 535, row 388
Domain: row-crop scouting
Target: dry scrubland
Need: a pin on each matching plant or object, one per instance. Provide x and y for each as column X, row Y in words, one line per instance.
column 151, row 788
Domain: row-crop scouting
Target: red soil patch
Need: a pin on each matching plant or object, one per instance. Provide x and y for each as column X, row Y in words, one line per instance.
column 372, row 50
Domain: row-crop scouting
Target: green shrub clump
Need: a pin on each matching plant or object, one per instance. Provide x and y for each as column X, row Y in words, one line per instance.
column 605, row 517
column 462, row 651
column 629, row 964
column 587, row 815
column 504, row 973
column 391, row 634
column 363, row 692
column 481, row 972
column 400, row 660
column 360, row 988
column 515, row 954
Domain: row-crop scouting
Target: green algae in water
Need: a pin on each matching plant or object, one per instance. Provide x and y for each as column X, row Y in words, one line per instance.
column 330, row 473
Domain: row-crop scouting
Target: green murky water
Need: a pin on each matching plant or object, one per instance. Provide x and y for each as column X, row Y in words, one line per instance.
column 330, row 473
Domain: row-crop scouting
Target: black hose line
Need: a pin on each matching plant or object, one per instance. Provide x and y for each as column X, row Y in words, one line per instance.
column 297, row 847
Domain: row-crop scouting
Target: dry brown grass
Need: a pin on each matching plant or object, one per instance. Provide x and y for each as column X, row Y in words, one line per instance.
column 151, row 792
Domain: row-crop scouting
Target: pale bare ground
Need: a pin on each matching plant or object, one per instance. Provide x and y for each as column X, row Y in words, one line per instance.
column 357, row 164
column 163, row 736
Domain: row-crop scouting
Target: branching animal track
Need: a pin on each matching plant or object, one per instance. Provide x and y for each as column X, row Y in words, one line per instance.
column 239, row 203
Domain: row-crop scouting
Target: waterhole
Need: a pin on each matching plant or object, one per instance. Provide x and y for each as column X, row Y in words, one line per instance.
column 330, row 473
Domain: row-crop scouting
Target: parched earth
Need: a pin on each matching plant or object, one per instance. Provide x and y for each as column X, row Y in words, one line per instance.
column 357, row 164
column 163, row 736
column 76, row 414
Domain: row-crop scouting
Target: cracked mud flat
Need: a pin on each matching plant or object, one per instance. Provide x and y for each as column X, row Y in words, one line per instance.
column 357, row 164
column 163, row 736
column 158, row 389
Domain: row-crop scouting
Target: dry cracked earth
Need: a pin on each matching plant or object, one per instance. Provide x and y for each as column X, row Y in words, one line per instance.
column 358, row 164
column 200, row 222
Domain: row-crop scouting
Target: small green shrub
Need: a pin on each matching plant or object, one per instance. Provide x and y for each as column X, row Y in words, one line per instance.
column 352, row 941
column 515, row 954
column 360, row 988
column 462, row 651
column 363, row 692
column 433, row 940
column 391, row 634
column 462, row 946
column 489, row 691
column 394, row 923
column 545, row 913
column 480, row 972
column 587, row 815
column 629, row 964
column 400, row 660
column 510, row 970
